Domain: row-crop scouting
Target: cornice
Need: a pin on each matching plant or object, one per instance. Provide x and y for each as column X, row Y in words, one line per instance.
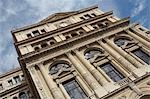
column 10, row 72
column 64, row 28
column 41, row 23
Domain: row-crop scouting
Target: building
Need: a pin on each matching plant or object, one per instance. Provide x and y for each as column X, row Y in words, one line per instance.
column 85, row 54
column 13, row 85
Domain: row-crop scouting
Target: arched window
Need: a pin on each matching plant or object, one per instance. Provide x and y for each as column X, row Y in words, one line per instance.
column 59, row 66
column 145, row 97
column 37, row 48
column 15, row 97
column 121, row 41
column 43, row 45
column 22, row 95
column 90, row 53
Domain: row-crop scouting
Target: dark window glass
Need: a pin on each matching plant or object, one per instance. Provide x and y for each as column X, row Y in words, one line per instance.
column 87, row 16
column 10, row 82
column 43, row 31
column 29, row 35
column 93, row 14
column 74, row 90
column 90, row 54
column 22, row 95
column 55, row 69
column 15, row 98
column 82, row 18
column 17, row 79
column 112, row 72
column 1, row 87
column 121, row 41
column 36, row 33
column 142, row 55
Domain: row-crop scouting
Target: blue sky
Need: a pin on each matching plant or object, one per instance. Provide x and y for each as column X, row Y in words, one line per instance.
column 19, row 13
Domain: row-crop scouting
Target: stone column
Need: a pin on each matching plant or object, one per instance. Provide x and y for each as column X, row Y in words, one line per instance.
column 56, row 92
column 97, row 88
column 146, row 43
column 88, row 91
column 99, row 77
column 64, row 91
column 118, row 57
column 124, row 54
column 38, row 83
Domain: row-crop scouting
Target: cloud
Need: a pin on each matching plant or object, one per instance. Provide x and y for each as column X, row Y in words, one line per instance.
column 139, row 6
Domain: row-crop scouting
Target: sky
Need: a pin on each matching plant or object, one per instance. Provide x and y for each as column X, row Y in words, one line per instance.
column 18, row 13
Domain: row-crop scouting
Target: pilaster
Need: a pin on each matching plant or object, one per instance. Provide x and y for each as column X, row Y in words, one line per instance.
column 56, row 92
column 97, row 88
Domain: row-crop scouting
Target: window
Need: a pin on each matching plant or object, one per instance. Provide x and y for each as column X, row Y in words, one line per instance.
column 44, row 45
column 93, row 14
column 74, row 34
column 29, row 35
column 141, row 29
column 22, row 76
column 10, row 82
column 43, row 31
column 82, row 18
column 87, row 16
column 15, row 97
column 111, row 71
column 36, row 33
column 22, row 95
column 17, row 79
column 55, row 68
column 37, row 48
column 1, row 87
column 74, row 90
column 52, row 42
column 142, row 55
column 91, row 53
column 63, row 24
column 121, row 41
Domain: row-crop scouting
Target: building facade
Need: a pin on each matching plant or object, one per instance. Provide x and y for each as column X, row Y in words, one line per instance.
column 85, row 54
column 13, row 85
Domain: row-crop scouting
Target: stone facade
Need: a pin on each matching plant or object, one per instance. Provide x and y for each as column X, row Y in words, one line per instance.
column 85, row 54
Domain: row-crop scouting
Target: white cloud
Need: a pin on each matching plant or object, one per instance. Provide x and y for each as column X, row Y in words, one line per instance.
column 139, row 6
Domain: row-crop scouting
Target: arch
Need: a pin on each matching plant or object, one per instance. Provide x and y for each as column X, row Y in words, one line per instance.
column 14, row 97
column 58, row 65
column 36, row 48
column 43, row 45
column 22, row 95
column 121, row 40
column 90, row 52
column 67, row 37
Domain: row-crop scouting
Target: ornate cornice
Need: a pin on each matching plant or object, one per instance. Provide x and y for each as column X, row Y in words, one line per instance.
column 64, row 28
column 45, row 20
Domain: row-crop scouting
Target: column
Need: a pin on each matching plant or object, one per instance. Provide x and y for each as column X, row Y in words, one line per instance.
column 125, row 54
column 56, row 92
column 37, row 83
column 99, row 77
column 64, row 91
column 118, row 57
column 99, row 90
column 146, row 43
column 88, row 91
